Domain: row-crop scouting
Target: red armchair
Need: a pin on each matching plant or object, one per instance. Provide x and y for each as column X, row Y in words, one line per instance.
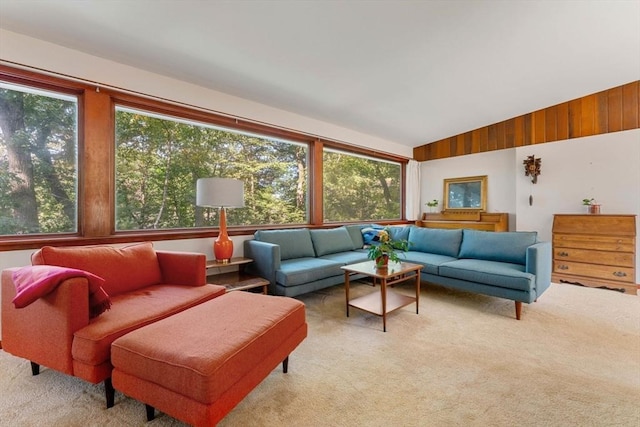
column 144, row 286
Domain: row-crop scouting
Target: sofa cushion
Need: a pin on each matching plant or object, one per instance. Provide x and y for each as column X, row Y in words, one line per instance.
column 501, row 274
column 294, row 243
column 399, row 232
column 123, row 269
column 350, row 257
column 132, row 310
column 355, row 231
column 431, row 262
column 491, row 246
column 298, row 271
column 435, row 241
column 331, row 241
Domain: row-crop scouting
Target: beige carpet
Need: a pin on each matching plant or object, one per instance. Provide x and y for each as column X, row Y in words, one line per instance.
column 573, row 360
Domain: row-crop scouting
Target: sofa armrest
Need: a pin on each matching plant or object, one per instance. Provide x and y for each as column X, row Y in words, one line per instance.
column 183, row 268
column 42, row 332
column 266, row 259
column 539, row 264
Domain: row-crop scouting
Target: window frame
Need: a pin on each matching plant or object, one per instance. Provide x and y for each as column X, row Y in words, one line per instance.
column 96, row 163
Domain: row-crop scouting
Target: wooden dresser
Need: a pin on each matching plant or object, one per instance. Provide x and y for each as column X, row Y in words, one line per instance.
column 474, row 220
column 595, row 250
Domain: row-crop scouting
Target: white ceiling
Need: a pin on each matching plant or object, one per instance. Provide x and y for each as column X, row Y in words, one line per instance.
column 411, row 72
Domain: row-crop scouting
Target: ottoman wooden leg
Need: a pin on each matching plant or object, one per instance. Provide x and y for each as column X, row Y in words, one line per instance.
column 151, row 412
column 109, row 392
column 285, row 364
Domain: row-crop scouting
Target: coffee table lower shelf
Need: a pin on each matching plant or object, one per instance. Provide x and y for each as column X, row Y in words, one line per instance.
column 372, row 303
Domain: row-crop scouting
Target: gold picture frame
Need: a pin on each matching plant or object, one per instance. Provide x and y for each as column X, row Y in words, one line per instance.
column 468, row 194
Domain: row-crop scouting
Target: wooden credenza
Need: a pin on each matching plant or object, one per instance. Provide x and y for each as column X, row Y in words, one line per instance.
column 595, row 250
column 496, row 221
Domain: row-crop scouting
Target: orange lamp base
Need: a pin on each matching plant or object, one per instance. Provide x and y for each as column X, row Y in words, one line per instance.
column 223, row 249
column 223, row 245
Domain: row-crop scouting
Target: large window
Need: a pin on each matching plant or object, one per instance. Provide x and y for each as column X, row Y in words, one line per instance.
column 38, row 161
column 360, row 188
column 74, row 169
column 160, row 158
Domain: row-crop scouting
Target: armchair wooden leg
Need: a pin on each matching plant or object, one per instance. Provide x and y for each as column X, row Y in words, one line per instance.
column 109, row 392
column 285, row 364
column 35, row 368
column 518, row 309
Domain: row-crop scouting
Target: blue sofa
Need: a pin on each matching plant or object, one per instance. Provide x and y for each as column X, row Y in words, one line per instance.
column 511, row 265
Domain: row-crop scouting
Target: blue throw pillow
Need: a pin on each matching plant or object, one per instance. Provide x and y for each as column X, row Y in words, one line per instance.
column 370, row 234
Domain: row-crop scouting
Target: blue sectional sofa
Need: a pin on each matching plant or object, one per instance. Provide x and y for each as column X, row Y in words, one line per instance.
column 511, row 265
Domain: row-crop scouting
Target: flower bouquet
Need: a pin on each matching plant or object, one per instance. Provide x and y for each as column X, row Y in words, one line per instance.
column 384, row 249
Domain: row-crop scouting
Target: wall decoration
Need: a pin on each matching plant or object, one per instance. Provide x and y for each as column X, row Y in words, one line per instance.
column 465, row 194
column 532, row 168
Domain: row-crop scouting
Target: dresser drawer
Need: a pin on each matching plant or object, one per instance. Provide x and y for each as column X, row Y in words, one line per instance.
column 623, row 259
column 605, row 243
column 615, row 273
column 605, row 225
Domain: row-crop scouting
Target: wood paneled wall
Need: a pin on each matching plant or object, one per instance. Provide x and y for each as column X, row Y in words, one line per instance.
column 611, row 110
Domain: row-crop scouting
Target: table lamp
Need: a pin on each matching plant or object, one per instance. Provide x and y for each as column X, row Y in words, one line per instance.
column 220, row 193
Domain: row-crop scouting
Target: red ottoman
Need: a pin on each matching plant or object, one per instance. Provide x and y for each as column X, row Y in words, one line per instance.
column 197, row 365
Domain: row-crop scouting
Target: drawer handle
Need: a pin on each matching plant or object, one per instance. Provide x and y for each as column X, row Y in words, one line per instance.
column 564, row 267
column 563, row 254
column 620, row 274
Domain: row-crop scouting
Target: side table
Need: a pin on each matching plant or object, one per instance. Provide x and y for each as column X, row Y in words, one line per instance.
column 236, row 280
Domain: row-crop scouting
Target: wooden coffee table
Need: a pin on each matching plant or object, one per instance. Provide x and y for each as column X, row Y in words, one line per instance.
column 385, row 300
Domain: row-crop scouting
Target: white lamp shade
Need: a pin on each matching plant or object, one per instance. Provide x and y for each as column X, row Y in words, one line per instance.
column 219, row 193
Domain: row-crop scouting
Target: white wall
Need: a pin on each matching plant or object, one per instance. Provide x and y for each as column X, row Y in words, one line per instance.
column 604, row 167
column 497, row 165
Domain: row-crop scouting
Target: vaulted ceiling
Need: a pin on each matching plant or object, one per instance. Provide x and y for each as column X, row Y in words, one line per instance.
column 411, row 72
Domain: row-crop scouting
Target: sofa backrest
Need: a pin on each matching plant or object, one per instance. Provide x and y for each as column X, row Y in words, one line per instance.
column 355, row 231
column 294, row 243
column 501, row 246
column 399, row 232
column 331, row 240
column 435, row 240
column 123, row 269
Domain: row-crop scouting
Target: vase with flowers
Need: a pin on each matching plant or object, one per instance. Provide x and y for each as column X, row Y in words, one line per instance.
column 385, row 249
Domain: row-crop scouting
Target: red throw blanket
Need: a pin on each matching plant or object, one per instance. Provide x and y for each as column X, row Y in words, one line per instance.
column 35, row 281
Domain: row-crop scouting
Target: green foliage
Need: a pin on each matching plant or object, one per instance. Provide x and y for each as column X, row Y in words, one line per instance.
column 386, row 246
column 159, row 160
column 38, row 168
column 360, row 189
